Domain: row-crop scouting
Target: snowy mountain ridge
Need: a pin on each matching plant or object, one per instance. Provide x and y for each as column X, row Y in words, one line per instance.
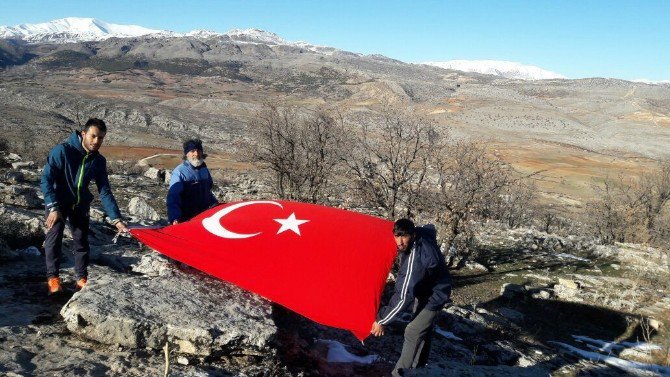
column 76, row 29
column 73, row 29
column 510, row 70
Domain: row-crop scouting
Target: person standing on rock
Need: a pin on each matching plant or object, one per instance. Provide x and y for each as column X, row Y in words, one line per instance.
column 190, row 191
column 424, row 281
column 70, row 168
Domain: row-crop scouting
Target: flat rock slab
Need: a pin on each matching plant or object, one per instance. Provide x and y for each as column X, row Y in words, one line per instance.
column 165, row 301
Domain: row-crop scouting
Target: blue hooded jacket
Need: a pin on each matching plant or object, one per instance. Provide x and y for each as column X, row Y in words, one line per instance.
column 67, row 174
column 190, row 192
column 423, row 275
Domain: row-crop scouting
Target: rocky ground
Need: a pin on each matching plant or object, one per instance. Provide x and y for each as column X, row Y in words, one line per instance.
column 528, row 304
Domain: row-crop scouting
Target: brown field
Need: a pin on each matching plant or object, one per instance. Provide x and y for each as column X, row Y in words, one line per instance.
column 567, row 173
column 169, row 158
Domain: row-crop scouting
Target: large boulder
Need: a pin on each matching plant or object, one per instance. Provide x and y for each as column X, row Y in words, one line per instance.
column 22, row 196
column 20, row 227
column 513, row 291
column 157, row 175
column 162, row 303
column 140, row 208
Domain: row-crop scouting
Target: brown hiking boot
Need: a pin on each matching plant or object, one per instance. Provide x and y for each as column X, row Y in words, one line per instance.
column 80, row 283
column 54, row 285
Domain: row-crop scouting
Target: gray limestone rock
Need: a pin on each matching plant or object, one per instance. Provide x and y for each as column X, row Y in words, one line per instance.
column 570, row 284
column 510, row 290
column 13, row 157
column 13, row 176
column 542, row 295
column 23, row 165
column 502, row 352
column 194, row 313
column 511, row 314
column 21, row 228
column 22, row 196
column 157, row 175
column 140, row 208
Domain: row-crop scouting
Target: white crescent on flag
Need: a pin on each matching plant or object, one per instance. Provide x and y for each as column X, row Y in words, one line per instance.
column 213, row 223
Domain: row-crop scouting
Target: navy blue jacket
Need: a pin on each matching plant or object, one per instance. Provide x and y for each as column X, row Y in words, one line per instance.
column 67, row 174
column 190, row 192
column 423, row 275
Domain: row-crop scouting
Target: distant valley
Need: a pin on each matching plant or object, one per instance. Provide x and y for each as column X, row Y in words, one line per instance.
column 156, row 89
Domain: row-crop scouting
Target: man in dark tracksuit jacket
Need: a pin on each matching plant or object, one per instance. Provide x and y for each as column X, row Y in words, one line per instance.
column 70, row 168
column 190, row 191
column 424, row 281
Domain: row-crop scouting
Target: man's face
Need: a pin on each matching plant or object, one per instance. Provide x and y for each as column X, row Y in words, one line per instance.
column 92, row 138
column 403, row 242
column 194, row 154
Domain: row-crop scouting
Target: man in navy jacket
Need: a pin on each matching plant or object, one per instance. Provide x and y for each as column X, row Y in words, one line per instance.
column 190, row 191
column 424, row 281
column 70, row 168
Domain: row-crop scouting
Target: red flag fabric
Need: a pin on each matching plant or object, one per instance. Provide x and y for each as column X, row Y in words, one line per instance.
column 327, row 264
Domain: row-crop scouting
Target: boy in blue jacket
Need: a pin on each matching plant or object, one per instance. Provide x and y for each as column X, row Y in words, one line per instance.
column 424, row 282
column 70, row 168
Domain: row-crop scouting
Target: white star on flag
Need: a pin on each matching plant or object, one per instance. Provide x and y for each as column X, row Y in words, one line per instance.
column 290, row 223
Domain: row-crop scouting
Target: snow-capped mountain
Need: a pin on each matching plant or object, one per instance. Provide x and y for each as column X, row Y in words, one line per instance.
column 510, row 70
column 73, row 29
column 256, row 35
column 653, row 82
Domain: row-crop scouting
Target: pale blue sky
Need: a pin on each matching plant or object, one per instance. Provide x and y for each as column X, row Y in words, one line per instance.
column 576, row 38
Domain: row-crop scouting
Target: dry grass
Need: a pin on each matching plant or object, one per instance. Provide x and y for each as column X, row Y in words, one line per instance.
column 568, row 170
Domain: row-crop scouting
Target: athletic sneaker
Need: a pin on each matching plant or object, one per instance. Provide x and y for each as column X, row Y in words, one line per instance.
column 54, row 285
column 80, row 283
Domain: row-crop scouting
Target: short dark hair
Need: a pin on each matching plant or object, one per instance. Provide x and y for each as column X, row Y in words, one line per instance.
column 403, row 227
column 95, row 122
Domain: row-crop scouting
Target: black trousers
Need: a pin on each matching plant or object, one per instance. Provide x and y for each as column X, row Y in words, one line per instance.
column 79, row 219
column 418, row 336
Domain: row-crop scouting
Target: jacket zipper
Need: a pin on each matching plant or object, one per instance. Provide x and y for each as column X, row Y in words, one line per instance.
column 81, row 178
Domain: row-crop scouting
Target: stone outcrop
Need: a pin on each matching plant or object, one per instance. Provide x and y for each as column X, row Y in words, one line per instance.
column 20, row 227
column 157, row 175
column 140, row 208
column 160, row 303
column 20, row 195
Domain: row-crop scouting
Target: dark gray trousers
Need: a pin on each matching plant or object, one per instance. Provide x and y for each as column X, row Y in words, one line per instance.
column 79, row 219
column 418, row 335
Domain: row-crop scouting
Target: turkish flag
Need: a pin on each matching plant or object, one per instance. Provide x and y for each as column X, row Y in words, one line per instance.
column 327, row 264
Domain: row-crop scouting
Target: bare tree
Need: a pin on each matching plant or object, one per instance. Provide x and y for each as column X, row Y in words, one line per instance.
column 606, row 214
column 630, row 209
column 301, row 150
column 390, row 163
column 475, row 186
column 552, row 218
column 654, row 191
column 516, row 204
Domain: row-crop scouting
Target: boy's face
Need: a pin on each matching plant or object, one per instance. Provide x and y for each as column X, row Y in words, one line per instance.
column 402, row 242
